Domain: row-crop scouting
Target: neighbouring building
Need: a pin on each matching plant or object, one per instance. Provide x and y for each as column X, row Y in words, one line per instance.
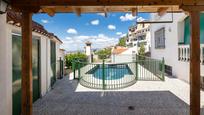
column 45, row 54
column 137, row 35
column 171, row 41
column 121, row 54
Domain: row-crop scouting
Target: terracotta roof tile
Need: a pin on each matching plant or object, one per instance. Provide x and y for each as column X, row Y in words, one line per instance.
column 15, row 18
column 118, row 50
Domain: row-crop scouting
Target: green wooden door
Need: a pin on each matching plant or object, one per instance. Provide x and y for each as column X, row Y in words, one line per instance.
column 16, row 72
column 53, row 62
column 36, row 72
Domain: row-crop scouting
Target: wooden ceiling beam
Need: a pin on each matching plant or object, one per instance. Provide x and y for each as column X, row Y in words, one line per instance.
column 106, row 11
column 77, row 11
column 49, row 11
column 192, row 7
column 162, row 10
column 134, row 11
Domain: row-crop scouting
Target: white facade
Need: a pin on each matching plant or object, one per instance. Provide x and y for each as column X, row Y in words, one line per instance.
column 6, row 32
column 139, row 34
column 173, row 33
column 88, row 51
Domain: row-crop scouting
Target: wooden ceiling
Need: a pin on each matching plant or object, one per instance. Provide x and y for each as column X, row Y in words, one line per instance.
column 104, row 6
column 105, row 9
column 103, row 2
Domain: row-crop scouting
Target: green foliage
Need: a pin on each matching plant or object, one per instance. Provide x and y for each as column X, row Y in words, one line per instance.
column 122, row 41
column 104, row 53
column 141, row 51
column 76, row 56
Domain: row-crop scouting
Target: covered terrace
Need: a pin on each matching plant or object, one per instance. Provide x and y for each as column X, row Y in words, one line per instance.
column 28, row 7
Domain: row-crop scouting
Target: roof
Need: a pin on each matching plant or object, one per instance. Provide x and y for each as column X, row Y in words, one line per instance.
column 103, row 6
column 119, row 50
column 14, row 18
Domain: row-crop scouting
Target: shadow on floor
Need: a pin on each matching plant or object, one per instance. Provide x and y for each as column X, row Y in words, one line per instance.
column 63, row 100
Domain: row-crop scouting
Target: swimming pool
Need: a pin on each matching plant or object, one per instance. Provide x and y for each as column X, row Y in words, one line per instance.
column 111, row 72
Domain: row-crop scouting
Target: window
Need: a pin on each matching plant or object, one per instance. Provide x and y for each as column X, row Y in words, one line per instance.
column 160, row 38
column 168, row 70
column 142, row 37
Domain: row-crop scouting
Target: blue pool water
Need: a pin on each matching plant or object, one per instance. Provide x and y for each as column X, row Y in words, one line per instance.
column 112, row 72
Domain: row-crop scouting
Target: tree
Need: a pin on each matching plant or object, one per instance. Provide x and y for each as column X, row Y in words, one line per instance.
column 141, row 51
column 104, row 53
column 76, row 56
column 122, row 41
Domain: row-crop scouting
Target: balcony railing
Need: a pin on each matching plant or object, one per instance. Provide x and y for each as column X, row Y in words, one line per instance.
column 184, row 53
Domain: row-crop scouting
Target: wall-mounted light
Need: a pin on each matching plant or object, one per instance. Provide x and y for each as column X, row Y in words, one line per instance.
column 3, row 6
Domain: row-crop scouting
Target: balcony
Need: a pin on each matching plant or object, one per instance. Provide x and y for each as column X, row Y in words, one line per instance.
column 184, row 53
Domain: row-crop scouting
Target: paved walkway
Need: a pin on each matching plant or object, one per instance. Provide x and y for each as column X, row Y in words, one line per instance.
column 146, row 98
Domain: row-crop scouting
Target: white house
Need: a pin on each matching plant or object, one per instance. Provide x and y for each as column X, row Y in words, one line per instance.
column 139, row 34
column 44, row 58
column 123, row 54
column 171, row 41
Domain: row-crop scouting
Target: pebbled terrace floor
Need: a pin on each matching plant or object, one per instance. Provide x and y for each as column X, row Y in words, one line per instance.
column 69, row 98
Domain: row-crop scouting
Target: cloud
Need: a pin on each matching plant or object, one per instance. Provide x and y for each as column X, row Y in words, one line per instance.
column 72, row 31
column 95, row 22
column 127, row 17
column 78, row 42
column 123, row 35
column 119, row 33
column 140, row 19
column 101, row 14
column 68, row 38
column 44, row 21
column 111, row 27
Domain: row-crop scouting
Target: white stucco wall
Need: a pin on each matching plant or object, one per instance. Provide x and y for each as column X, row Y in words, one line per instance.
column 5, row 68
column 49, row 70
column 43, row 53
column 173, row 31
column 121, row 58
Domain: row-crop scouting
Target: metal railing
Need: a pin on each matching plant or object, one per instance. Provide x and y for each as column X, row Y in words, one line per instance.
column 117, row 75
column 150, row 69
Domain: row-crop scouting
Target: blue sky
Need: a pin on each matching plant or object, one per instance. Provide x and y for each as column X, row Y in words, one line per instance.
column 101, row 31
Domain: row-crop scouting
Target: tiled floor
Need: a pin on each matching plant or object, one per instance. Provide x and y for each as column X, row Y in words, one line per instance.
column 146, row 97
